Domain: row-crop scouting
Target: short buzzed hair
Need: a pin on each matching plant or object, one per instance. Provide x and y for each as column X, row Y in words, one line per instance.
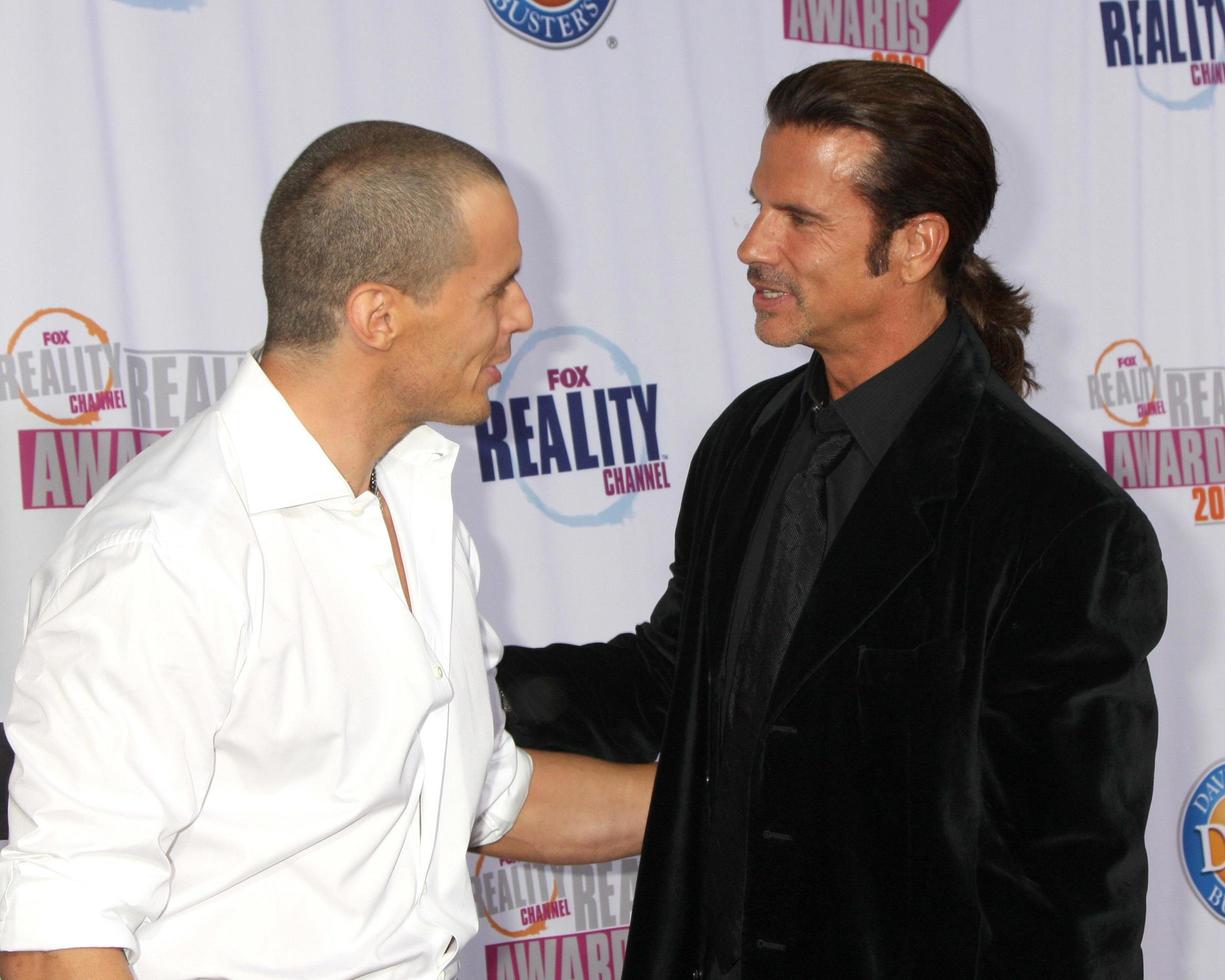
column 366, row 201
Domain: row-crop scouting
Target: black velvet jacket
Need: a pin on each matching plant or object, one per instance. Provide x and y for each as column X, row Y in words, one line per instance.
column 955, row 772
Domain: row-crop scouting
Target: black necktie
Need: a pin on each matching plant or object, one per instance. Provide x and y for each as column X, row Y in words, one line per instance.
column 797, row 546
column 792, row 559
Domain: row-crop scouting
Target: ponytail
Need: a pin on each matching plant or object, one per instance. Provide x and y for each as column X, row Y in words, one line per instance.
column 1001, row 314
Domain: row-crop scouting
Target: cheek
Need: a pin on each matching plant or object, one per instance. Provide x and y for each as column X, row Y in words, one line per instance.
column 810, row 265
column 480, row 339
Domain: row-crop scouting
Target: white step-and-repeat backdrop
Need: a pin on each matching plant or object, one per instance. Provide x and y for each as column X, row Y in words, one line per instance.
column 143, row 137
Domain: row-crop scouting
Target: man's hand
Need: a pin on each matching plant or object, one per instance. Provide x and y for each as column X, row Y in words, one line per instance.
column 66, row 964
column 578, row 811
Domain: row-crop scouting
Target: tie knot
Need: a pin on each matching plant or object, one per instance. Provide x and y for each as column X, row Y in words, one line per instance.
column 830, row 452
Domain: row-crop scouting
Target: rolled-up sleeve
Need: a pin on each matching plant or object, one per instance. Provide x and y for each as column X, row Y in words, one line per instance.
column 506, row 785
column 509, row 773
column 125, row 677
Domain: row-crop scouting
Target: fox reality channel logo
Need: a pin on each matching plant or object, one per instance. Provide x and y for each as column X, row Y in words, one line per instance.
column 1175, row 47
column 551, row 23
column 554, row 921
column 575, row 425
column 1173, row 425
column 1202, row 839
column 97, row 403
column 894, row 30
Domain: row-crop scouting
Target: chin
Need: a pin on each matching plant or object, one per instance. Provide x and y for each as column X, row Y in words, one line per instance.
column 775, row 332
column 472, row 414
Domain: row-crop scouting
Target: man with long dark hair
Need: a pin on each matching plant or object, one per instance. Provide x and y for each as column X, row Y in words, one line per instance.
column 897, row 682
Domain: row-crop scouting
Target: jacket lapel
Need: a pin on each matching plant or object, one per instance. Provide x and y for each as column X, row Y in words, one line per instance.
column 891, row 528
column 740, row 500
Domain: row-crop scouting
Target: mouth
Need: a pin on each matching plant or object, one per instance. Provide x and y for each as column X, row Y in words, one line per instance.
column 767, row 299
column 491, row 370
column 768, row 293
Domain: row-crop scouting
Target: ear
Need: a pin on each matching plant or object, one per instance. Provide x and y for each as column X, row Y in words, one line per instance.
column 923, row 240
column 374, row 314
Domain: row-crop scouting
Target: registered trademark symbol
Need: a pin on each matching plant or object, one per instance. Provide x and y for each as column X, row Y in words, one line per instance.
column 612, row 42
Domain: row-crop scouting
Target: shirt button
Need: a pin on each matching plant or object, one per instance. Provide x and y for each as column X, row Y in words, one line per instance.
column 438, row 671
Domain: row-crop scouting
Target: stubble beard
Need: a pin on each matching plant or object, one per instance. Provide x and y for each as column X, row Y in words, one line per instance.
column 472, row 411
column 761, row 328
column 482, row 414
column 798, row 333
column 760, row 275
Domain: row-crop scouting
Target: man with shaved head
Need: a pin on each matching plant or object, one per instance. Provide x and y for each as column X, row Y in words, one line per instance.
column 255, row 724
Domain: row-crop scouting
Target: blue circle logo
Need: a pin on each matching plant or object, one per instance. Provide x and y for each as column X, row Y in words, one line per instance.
column 1205, row 98
column 576, row 428
column 551, row 23
column 1202, row 839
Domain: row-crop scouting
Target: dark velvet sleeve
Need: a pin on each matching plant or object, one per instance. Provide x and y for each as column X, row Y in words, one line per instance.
column 1069, row 731
column 608, row 700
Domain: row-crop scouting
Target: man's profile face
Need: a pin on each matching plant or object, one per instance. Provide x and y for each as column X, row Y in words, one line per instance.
column 807, row 249
column 461, row 336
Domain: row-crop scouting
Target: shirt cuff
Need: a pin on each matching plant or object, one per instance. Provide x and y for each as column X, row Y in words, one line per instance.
column 501, row 814
column 42, row 910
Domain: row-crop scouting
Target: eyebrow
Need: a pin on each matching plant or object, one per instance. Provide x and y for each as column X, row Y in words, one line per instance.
column 802, row 212
column 503, row 283
column 795, row 209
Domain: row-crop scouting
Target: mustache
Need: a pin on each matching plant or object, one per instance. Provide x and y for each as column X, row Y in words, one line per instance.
column 763, row 277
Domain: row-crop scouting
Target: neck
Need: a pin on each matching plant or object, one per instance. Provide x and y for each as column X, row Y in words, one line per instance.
column 339, row 410
column 874, row 348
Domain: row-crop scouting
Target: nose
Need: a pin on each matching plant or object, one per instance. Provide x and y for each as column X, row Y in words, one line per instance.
column 517, row 317
column 756, row 248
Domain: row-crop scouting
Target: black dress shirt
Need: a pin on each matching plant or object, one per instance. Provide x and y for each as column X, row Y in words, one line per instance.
column 875, row 413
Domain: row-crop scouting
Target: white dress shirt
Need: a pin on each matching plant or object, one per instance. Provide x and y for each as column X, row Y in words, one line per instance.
column 239, row 753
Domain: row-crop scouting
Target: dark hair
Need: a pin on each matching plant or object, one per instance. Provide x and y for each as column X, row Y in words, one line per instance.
column 933, row 155
column 365, row 201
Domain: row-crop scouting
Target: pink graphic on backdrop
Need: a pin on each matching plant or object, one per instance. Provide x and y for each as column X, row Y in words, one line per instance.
column 595, row 955
column 941, row 13
column 899, row 26
column 1141, row 459
column 65, row 467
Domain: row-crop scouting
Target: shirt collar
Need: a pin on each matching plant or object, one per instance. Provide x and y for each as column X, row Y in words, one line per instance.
column 877, row 410
column 281, row 463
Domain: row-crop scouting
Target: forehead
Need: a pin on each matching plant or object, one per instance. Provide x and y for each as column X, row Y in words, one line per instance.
column 490, row 219
column 807, row 164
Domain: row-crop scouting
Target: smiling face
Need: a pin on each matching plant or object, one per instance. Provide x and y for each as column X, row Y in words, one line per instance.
column 807, row 250
column 451, row 351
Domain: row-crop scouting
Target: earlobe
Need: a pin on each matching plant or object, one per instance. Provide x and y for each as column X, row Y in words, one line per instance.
column 371, row 315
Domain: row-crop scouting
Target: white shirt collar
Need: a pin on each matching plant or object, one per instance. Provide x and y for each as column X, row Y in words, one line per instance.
column 282, row 463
